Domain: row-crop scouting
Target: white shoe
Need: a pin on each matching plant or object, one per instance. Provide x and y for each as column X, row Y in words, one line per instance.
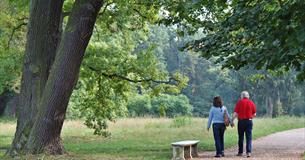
column 248, row 154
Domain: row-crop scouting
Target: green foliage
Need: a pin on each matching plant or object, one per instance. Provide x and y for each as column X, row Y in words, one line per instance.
column 189, row 16
column 98, row 101
column 162, row 105
column 162, row 112
column 207, row 80
column 139, row 105
column 265, row 34
column 114, row 68
column 10, row 70
column 12, row 42
column 173, row 105
column 270, row 88
column 235, row 34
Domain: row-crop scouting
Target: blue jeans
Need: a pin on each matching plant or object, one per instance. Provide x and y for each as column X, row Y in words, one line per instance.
column 245, row 126
column 218, row 131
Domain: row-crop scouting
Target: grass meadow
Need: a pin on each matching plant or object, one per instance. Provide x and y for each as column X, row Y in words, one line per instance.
column 143, row 138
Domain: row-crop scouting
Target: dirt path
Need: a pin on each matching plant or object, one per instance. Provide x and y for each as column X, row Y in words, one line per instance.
column 288, row 145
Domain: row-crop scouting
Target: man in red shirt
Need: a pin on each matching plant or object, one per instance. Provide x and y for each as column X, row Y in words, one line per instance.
column 245, row 110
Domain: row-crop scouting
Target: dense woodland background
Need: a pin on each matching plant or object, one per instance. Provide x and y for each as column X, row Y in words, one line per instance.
column 156, row 50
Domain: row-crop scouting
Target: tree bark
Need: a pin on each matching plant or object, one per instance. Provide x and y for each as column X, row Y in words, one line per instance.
column 270, row 106
column 45, row 134
column 42, row 41
column 4, row 98
column 278, row 104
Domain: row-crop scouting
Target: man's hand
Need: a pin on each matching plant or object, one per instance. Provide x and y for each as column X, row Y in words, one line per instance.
column 235, row 115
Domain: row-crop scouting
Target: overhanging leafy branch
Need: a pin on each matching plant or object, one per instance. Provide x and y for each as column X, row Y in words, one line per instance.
column 171, row 80
column 13, row 32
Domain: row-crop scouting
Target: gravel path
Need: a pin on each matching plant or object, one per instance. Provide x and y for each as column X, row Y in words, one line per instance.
column 287, row 145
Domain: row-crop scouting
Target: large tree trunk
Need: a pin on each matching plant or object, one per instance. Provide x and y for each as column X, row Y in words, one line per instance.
column 45, row 134
column 4, row 98
column 270, row 106
column 42, row 41
column 278, row 104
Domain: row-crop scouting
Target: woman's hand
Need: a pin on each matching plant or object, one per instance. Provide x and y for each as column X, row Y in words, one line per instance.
column 232, row 124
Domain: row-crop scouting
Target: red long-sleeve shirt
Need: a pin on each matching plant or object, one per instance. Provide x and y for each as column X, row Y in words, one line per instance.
column 245, row 108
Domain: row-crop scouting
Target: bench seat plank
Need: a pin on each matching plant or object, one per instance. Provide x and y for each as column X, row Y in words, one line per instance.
column 185, row 143
column 185, row 149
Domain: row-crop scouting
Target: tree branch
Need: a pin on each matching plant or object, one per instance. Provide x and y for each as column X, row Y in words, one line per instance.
column 104, row 10
column 98, row 33
column 280, row 3
column 13, row 32
column 140, row 14
column 171, row 80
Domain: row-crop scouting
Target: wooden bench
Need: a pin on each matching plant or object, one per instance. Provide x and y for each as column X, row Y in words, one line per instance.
column 185, row 149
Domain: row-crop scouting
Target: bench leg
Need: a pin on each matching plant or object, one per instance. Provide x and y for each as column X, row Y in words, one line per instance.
column 194, row 150
column 178, row 153
column 188, row 152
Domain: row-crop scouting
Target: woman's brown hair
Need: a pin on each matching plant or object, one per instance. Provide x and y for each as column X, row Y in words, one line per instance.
column 217, row 101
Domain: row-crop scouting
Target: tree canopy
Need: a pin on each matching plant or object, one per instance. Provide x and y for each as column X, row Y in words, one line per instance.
column 264, row 34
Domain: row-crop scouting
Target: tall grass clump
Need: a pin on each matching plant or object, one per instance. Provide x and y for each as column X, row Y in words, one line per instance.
column 181, row 121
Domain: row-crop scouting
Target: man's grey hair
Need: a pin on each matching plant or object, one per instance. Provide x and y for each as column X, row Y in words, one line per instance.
column 244, row 94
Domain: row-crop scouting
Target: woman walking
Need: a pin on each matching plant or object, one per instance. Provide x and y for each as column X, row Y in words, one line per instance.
column 217, row 117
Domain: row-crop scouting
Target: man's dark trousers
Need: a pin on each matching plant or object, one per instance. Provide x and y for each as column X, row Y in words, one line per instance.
column 245, row 126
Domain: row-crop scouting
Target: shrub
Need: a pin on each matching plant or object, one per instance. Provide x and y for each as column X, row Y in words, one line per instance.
column 139, row 105
column 162, row 105
column 162, row 112
column 173, row 105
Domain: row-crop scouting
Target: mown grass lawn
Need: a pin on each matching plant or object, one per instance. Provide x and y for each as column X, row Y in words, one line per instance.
column 144, row 138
